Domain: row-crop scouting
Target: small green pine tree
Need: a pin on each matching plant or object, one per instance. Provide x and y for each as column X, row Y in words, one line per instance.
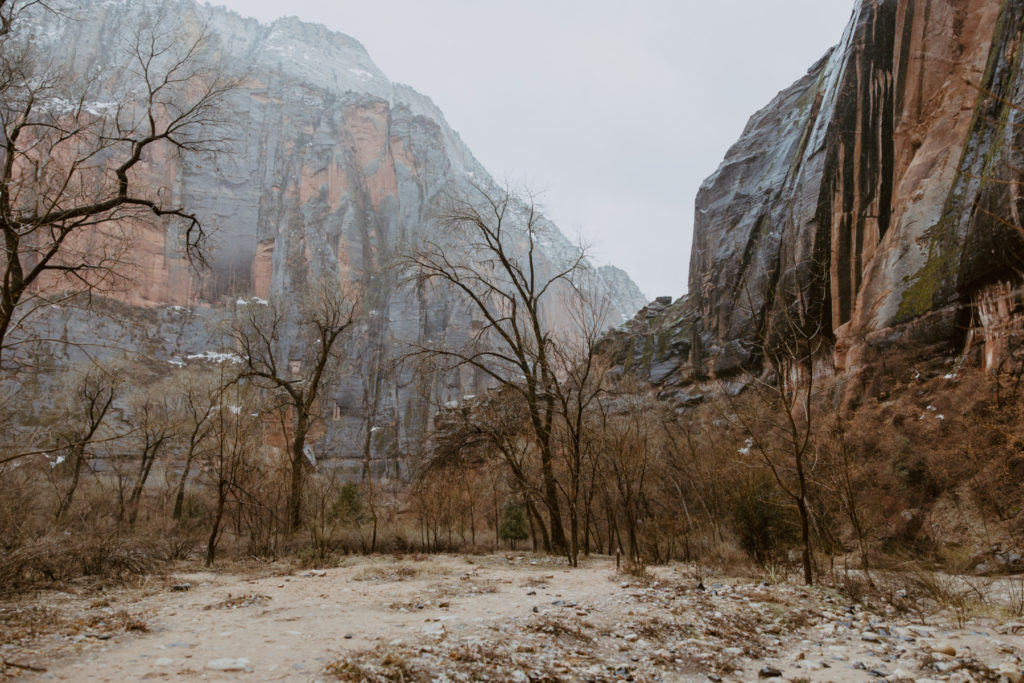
column 348, row 507
column 513, row 524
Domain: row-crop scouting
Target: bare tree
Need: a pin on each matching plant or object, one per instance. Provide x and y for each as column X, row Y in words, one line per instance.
column 581, row 373
column 94, row 391
column 690, row 472
column 228, row 466
column 842, row 476
column 492, row 428
column 779, row 416
column 488, row 255
column 290, row 353
column 376, row 373
column 627, row 428
column 72, row 156
column 200, row 395
column 154, row 418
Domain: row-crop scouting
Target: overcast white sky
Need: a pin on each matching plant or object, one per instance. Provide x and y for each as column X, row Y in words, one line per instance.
column 613, row 111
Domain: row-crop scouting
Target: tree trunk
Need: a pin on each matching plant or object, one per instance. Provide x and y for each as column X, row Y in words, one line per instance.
column 613, row 528
column 558, row 543
column 368, row 478
column 373, row 516
column 10, row 295
column 805, row 535
column 537, row 524
column 574, row 550
column 148, row 456
column 78, row 460
column 211, row 543
column 179, row 497
column 594, row 533
column 295, row 489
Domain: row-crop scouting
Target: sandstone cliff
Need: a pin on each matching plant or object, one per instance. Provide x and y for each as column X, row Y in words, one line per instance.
column 882, row 189
column 333, row 171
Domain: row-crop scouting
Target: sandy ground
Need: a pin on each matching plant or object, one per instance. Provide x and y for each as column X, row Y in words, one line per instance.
column 498, row 618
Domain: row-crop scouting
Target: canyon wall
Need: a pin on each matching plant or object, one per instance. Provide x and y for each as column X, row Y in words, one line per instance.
column 332, row 172
column 878, row 196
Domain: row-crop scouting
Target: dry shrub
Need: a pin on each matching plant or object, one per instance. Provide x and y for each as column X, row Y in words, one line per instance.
column 119, row 621
column 638, row 570
column 1015, row 596
column 29, row 621
column 961, row 596
column 377, row 666
column 247, row 600
column 387, row 573
column 556, row 627
column 764, row 521
column 855, row 586
column 726, row 559
column 21, row 496
column 57, row 559
column 180, row 541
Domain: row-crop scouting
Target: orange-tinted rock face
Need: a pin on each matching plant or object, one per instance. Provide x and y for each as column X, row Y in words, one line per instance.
column 941, row 51
column 324, row 187
column 867, row 191
column 333, row 173
column 332, row 168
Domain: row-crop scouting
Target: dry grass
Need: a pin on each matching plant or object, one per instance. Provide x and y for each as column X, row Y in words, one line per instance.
column 466, row 585
column 1014, row 600
column 378, row 666
column 118, row 622
column 558, row 627
column 536, row 581
column 920, row 590
column 661, row 630
column 962, row 596
column 248, row 600
column 389, row 572
column 58, row 559
column 25, row 623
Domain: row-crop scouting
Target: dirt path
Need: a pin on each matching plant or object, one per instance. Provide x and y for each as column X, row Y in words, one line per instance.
column 498, row 618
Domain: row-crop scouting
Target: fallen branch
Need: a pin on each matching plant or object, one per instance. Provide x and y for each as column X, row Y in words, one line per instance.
column 26, row 667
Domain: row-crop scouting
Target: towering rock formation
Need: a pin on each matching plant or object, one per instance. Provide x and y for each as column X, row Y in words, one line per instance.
column 882, row 189
column 333, row 165
column 334, row 170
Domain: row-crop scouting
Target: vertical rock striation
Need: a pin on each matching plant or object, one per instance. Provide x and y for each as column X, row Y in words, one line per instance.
column 881, row 190
column 334, row 171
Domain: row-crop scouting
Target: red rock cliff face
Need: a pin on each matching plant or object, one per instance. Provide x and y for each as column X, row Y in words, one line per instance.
column 333, row 172
column 875, row 187
column 879, row 195
column 332, row 167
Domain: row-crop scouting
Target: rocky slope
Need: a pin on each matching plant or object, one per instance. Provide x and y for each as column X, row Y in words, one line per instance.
column 880, row 193
column 333, row 171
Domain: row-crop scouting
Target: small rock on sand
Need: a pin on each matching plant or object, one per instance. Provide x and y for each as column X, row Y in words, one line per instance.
column 228, row 664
